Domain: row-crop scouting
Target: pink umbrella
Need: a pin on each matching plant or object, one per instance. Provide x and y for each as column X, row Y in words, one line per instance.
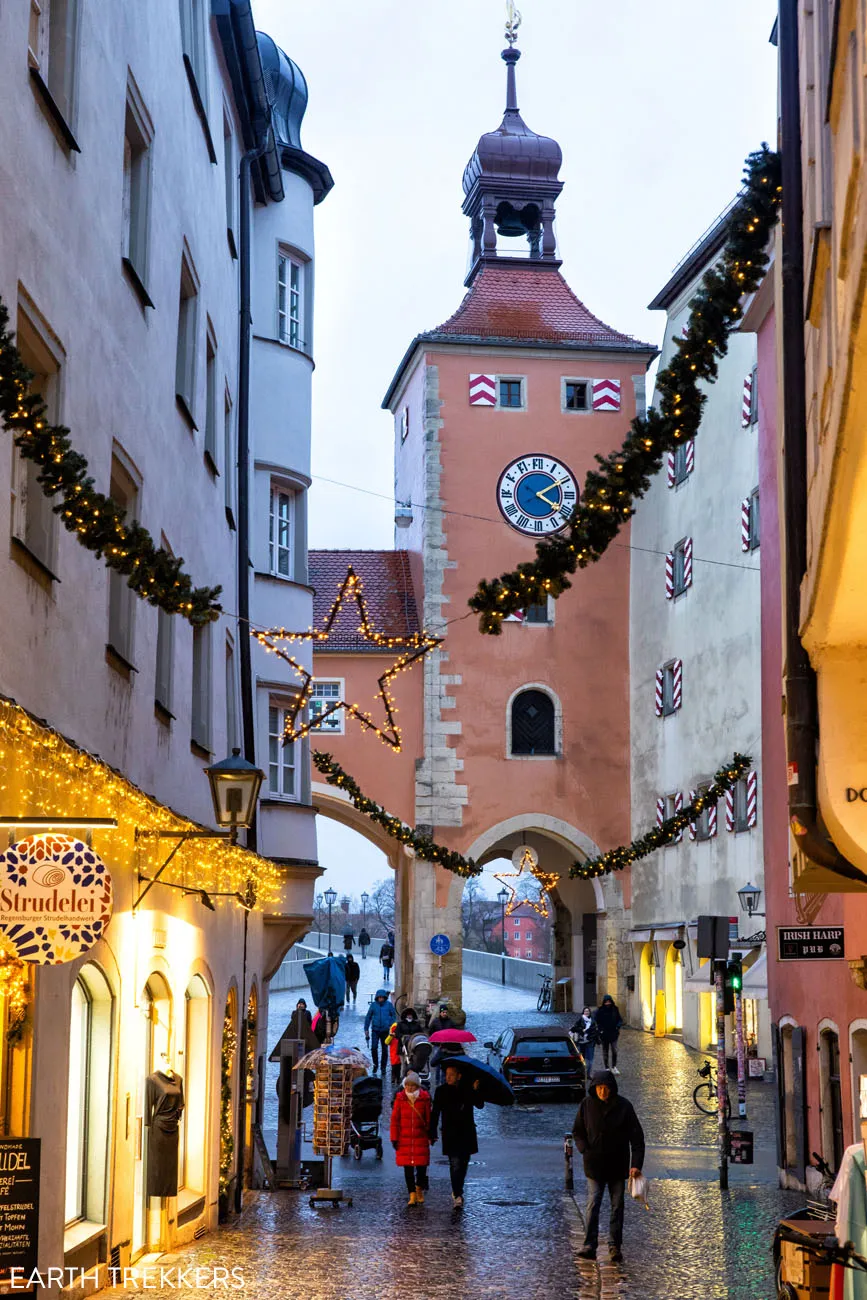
column 453, row 1036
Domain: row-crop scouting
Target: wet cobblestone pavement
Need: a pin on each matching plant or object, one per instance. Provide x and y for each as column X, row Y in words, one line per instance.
column 520, row 1231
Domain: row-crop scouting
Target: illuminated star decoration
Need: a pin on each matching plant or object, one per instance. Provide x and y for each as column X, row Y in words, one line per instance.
column 412, row 646
column 546, row 880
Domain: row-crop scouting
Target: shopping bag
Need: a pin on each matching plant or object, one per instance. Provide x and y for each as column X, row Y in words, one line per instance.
column 638, row 1189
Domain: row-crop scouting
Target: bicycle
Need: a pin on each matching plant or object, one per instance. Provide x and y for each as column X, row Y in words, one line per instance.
column 544, row 1002
column 705, row 1095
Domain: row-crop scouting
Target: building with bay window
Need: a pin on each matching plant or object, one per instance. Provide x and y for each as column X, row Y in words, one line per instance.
column 124, row 229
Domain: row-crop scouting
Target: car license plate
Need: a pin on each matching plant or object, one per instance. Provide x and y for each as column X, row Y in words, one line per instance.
column 547, row 1078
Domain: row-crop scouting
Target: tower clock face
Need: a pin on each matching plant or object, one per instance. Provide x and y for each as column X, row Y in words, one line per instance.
column 536, row 494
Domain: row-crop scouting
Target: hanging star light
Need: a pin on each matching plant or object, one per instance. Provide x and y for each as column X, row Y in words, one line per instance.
column 412, row 647
column 527, row 860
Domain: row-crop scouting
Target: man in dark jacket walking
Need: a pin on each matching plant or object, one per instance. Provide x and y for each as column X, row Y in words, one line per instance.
column 609, row 1022
column 611, row 1140
column 454, row 1103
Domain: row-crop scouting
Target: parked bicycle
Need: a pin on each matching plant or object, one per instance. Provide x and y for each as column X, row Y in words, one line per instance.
column 544, row 1002
column 705, row 1095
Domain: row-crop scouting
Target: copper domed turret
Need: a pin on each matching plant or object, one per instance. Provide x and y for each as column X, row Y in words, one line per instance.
column 511, row 183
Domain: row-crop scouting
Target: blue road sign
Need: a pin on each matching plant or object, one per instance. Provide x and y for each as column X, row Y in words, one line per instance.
column 440, row 944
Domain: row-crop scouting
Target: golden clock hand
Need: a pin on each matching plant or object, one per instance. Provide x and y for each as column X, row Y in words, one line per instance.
column 541, row 495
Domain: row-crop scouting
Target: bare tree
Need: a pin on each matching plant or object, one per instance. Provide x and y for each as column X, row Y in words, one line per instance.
column 381, row 903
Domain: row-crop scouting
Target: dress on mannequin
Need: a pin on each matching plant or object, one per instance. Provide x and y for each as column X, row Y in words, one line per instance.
column 164, row 1104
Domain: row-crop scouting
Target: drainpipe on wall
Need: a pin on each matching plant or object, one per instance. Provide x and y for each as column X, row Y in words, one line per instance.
column 802, row 710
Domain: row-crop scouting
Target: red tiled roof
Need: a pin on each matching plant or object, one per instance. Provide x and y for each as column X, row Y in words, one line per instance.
column 531, row 302
column 388, row 594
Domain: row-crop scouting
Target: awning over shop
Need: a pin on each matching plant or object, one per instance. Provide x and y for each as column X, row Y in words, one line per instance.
column 755, row 983
column 659, row 933
column 639, row 936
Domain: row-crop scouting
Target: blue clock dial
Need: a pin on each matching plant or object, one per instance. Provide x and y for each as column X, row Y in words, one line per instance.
column 536, row 494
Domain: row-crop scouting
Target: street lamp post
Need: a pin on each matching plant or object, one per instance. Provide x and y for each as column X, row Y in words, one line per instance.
column 502, row 899
column 365, row 899
column 749, row 897
column 331, row 899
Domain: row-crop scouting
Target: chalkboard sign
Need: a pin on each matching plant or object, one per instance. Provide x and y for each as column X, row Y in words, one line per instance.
column 741, row 1147
column 19, row 1208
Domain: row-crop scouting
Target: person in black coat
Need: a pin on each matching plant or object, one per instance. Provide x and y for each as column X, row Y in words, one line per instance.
column 453, row 1105
column 353, row 975
column 364, row 943
column 611, row 1140
column 609, row 1022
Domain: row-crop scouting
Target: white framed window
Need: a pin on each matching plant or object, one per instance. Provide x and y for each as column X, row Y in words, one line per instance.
column 682, row 566
column 211, row 390
column 682, row 465
column 670, row 807
column 52, row 50
column 705, row 822
column 404, row 424
column 517, row 934
column 576, row 395
column 194, row 18
column 742, row 820
column 753, row 533
column 185, row 361
column 164, row 679
column 511, row 392
column 34, row 523
column 230, row 466
column 124, row 492
column 89, row 1097
column 290, row 299
column 281, row 758
column 200, row 712
column 282, row 524
column 137, row 140
column 529, row 954
column 754, row 396
column 326, row 693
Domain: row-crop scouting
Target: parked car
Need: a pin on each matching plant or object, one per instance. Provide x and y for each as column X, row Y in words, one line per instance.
column 539, row 1060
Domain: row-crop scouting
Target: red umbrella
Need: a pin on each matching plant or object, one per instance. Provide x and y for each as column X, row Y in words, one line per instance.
column 453, row 1036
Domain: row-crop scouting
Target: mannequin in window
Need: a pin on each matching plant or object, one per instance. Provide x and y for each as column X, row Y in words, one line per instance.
column 164, row 1105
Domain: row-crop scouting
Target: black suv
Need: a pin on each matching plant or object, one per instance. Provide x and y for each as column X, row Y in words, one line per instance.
column 539, row 1060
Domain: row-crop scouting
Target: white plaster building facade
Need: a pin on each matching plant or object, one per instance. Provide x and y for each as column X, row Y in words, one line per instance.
column 120, row 216
column 695, row 691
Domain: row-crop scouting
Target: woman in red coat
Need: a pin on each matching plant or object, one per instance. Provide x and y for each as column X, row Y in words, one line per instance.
column 410, row 1129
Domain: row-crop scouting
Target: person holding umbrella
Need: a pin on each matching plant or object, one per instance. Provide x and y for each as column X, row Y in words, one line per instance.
column 348, row 939
column 453, row 1106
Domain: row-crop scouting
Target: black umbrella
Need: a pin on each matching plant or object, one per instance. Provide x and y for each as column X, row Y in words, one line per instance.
column 492, row 1085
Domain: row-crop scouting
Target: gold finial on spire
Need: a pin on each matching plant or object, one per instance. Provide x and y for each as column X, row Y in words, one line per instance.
column 513, row 21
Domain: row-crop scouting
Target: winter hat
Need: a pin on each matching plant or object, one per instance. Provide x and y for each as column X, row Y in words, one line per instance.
column 412, row 1077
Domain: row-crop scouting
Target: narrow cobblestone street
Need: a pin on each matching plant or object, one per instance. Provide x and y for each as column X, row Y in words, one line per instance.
column 520, row 1231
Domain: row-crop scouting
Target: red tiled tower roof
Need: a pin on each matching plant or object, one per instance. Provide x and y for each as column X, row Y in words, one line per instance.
column 388, row 594
column 531, row 302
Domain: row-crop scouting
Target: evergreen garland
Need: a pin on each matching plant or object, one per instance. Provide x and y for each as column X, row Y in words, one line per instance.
column 622, row 477
column 228, row 1048
column 151, row 571
column 616, row 859
column 425, row 846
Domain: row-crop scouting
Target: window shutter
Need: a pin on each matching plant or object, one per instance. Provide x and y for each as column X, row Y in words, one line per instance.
column 678, row 807
column 747, row 403
column 659, row 676
column 660, row 810
column 752, row 798
column 483, row 390
column 687, row 562
column 606, row 394
column 671, row 479
column 677, row 684
column 690, row 456
column 669, row 575
column 692, row 826
column 711, row 820
column 745, row 524
column 730, row 810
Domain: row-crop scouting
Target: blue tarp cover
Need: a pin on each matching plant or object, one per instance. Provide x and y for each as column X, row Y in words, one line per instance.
column 327, row 979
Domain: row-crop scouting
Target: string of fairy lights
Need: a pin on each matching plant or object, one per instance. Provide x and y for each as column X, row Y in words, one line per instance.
column 621, row 478
column 41, row 774
column 151, row 571
column 413, row 646
column 726, row 778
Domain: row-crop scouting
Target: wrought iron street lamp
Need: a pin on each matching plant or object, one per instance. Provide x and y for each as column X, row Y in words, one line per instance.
column 235, row 786
column 502, row 899
column 331, row 899
column 365, row 899
column 750, row 896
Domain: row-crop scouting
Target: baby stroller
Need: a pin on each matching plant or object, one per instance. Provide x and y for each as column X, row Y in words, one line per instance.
column 364, row 1122
column 416, row 1052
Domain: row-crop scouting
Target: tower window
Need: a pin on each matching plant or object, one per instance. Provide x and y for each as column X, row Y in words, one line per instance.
column 576, row 395
column 511, row 394
column 533, row 724
column 281, row 529
column 290, row 300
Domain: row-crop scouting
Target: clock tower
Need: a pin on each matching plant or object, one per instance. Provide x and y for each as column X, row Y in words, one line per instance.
column 498, row 415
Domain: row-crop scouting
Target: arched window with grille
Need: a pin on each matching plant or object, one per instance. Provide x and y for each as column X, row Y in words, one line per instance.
column 533, row 724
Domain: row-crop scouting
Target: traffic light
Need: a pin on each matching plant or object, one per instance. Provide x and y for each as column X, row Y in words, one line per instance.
column 734, row 980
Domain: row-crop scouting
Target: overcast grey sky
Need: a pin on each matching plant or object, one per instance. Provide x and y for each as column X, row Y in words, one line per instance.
column 655, row 106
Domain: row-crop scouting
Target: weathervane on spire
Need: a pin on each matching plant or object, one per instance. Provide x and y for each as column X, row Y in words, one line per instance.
column 513, row 21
